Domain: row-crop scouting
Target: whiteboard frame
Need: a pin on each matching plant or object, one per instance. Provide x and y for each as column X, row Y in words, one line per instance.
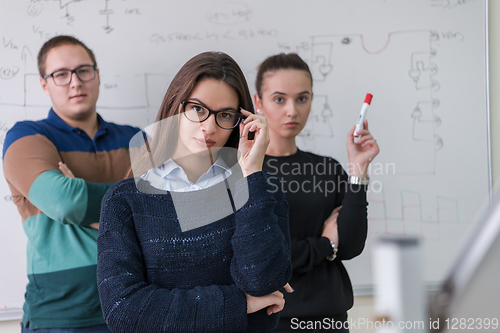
column 361, row 290
column 11, row 314
column 488, row 112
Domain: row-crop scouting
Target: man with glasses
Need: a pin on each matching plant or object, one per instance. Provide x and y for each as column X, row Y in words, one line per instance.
column 60, row 214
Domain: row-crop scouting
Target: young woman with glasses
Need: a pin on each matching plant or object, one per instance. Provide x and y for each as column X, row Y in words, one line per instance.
column 316, row 187
column 198, row 240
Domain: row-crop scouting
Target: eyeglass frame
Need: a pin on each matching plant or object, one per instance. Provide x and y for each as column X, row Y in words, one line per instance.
column 210, row 111
column 72, row 71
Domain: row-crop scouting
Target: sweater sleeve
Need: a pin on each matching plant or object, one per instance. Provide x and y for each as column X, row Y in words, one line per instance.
column 352, row 222
column 352, row 228
column 309, row 252
column 131, row 304
column 31, row 167
column 261, row 242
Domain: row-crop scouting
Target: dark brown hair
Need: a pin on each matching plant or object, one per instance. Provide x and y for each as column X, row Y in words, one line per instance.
column 277, row 62
column 59, row 41
column 213, row 65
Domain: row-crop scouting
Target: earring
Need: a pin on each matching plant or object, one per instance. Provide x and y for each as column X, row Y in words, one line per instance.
column 258, row 111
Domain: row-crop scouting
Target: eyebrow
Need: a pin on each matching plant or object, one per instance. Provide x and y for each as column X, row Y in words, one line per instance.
column 67, row 69
column 281, row 93
column 204, row 105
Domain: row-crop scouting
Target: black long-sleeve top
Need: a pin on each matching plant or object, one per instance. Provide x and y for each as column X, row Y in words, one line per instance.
column 314, row 185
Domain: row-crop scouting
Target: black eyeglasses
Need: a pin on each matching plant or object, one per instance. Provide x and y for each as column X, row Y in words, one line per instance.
column 227, row 118
column 63, row 77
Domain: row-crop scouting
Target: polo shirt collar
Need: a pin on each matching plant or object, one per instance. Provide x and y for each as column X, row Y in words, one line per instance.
column 56, row 121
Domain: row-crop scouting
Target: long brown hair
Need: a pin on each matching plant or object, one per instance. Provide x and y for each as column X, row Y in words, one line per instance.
column 213, row 65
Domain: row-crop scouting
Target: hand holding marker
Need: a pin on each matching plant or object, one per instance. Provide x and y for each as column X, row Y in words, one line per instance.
column 362, row 114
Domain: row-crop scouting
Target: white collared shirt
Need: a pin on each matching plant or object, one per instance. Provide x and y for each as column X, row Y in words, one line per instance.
column 171, row 177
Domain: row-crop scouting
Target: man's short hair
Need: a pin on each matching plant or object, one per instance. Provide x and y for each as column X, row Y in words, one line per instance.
column 59, row 41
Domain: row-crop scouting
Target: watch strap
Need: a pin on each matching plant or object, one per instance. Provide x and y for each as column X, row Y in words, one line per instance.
column 358, row 180
column 334, row 254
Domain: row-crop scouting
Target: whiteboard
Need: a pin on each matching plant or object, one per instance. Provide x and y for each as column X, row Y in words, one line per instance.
column 425, row 62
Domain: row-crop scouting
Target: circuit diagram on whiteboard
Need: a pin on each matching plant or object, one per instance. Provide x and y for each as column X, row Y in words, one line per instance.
column 404, row 63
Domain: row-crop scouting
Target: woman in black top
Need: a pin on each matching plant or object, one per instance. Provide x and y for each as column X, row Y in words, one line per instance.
column 328, row 216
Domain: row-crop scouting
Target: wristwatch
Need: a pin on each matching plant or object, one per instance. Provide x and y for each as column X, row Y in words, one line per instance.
column 358, row 180
column 334, row 254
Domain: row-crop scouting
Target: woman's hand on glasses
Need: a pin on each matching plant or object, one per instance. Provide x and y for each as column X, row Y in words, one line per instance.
column 252, row 152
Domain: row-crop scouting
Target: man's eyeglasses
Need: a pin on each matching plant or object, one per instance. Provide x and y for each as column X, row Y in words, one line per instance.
column 63, row 77
column 226, row 118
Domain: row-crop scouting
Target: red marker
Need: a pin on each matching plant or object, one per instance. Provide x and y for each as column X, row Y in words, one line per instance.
column 362, row 115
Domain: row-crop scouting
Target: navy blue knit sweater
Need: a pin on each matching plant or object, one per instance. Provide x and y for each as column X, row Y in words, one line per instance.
column 152, row 277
